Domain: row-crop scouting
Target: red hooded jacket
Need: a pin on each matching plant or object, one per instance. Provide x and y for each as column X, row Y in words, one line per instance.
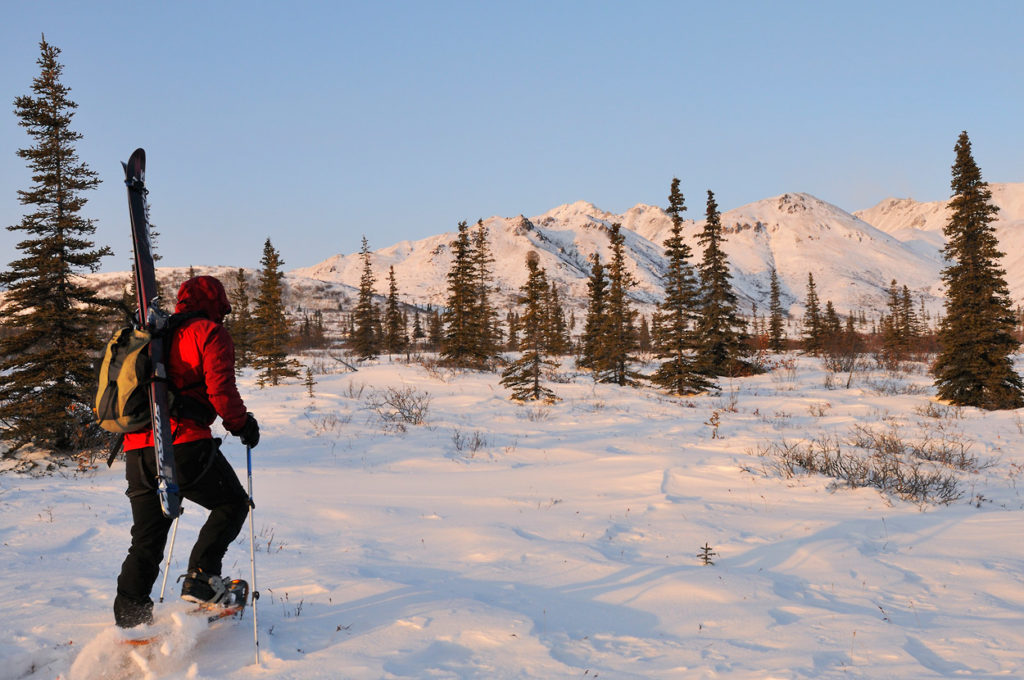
column 202, row 353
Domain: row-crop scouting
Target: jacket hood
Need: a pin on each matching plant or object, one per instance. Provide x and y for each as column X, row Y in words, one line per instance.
column 204, row 294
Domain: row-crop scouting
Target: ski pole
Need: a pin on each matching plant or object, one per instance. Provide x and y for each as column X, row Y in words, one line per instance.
column 252, row 557
column 167, row 567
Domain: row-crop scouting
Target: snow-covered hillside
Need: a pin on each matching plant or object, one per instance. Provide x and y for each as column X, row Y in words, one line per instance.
column 919, row 226
column 499, row 540
column 853, row 257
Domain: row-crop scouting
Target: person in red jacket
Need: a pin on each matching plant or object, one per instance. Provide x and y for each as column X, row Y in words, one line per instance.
column 201, row 369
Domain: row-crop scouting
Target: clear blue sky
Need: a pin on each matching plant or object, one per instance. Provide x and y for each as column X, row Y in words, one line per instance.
column 314, row 123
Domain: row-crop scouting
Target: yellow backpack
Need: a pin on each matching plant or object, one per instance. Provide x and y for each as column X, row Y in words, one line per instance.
column 125, row 374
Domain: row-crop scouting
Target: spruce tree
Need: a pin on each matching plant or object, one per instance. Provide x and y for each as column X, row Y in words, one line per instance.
column 831, row 325
column 814, row 337
column 395, row 336
column 975, row 365
column 595, row 326
column 721, row 342
column 51, row 322
column 557, row 332
column 910, row 322
column 894, row 342
column 418, row 334
column 366, row 340
column 485, row 316
column 435, row 330
column 460, row 346
column 620, row 327
column 239, row 323
column 675, row 338
column 524, row 375
column 776, row 329
column 271, row 330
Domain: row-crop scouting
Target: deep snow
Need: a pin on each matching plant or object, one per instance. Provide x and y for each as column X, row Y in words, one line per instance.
column 501, row 540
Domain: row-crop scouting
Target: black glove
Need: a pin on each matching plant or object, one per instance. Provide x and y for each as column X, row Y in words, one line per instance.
column 249, row 433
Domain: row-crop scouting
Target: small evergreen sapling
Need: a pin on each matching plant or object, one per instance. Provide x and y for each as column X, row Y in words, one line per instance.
column 705, row 554
column 309, row 382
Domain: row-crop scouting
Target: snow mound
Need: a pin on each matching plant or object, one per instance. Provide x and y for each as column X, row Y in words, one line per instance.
column 112, row 656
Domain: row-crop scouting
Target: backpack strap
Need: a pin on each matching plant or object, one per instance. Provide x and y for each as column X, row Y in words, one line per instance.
column 115, row 449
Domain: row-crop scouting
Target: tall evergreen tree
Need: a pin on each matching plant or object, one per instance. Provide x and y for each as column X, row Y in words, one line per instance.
column 557, row 332
column 418, row 334
column 366, row 340
column 524, row 375
column 485, row 316
column 595, row 326
column 620, row 328
column 271, row 332
column 51, row 321
column 831, row 325
column 831, row 321
column 396, row 337
column 675, row 338
column 894, row 340
column 721, row 341
column 814, row 336
column 240, row 323
column 462, row 344
column 435, row 329
column 910, row 322
column 776, row 328
column 975, row 366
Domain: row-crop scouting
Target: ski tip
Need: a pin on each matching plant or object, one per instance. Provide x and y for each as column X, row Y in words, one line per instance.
column 135, row 168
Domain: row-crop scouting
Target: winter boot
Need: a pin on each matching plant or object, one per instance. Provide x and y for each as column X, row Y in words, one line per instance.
column 202, row 588
column 129, row 613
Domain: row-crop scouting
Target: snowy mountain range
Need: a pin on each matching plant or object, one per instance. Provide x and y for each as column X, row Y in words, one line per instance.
column 853, row 257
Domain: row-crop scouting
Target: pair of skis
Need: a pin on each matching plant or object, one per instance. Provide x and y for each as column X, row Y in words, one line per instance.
column 150, row 316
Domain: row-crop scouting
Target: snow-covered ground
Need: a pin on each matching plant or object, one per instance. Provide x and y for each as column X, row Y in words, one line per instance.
column 500, row 540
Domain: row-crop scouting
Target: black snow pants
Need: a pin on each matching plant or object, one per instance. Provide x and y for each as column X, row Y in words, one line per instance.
column 205, row 478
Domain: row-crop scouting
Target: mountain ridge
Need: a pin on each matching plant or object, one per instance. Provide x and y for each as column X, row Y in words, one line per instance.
column 853, row 256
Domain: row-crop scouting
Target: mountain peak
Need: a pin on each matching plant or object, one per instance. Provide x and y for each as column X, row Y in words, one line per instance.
column 584, row 209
